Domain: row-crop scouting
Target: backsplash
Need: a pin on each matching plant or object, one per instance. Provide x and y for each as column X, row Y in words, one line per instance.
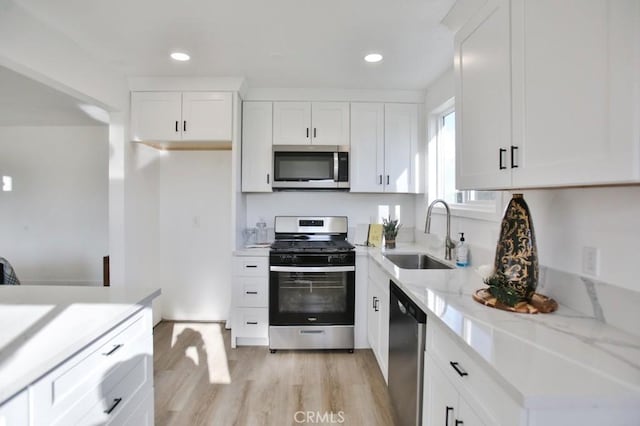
column 613, row 305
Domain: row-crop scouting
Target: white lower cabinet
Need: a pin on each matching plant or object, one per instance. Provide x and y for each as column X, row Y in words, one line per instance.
column 16, row 410
column 443, row 405
column 104, row 383
column 250, row 294
column 378, row 316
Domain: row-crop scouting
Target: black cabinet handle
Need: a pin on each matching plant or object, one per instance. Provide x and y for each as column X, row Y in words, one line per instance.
column 387, row 179
column 375, row 304
column 184, row 126
column 113, row 406
column 307, row 132
column 251, row 292
column 501, row 151
column 176, row 125
column 446, row 415
column 314, row 132
column 380, row 179
column 459, row 422
column 252, row 322
column 513, row 161
column 113, row 350
column 250, row 266
column 268, row 178
column 458, row 369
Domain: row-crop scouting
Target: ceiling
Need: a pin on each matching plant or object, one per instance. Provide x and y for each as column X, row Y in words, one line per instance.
column 275, row 43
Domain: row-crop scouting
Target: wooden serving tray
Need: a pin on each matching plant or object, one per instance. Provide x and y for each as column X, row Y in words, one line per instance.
column 538, row 303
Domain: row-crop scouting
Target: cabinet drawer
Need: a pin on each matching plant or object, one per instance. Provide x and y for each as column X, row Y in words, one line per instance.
column 58, row 394
column 252, row 322
column 490, row 401
column 251, row 292
column 119, row 394
column 251, row 266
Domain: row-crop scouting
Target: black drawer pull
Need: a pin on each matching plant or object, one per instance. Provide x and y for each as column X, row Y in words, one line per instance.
column 268, row 178
column 307, row 132
column 458, row 369
column 380, row 180
column 459, row 422
column 513, row 161
column 113, row 406
column 314, row 132
column 176, row 126
column 250, row 266
column 251, row 292
column 252, row 322
column 184, row 126
column 115, row 348
column 500, row 152
column 387, row 179
column 446, row 415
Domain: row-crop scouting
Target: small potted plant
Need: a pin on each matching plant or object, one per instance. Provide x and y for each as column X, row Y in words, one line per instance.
column 390, row 230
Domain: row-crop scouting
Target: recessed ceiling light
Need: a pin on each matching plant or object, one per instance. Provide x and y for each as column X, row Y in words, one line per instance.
column 373, row 57
column 180, row 56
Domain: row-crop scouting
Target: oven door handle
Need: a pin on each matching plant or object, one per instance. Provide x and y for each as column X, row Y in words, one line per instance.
column 312, row 268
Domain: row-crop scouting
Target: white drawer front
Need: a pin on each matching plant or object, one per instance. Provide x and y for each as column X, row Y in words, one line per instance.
column 251, row 292
column 252, row 322
column 57, row 395
column 16, row 410
column 251, row 266
column 487, row 398
column 120, row 393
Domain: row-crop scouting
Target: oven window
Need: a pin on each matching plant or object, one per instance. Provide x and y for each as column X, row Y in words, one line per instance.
column 312, row 292
column 296, row 166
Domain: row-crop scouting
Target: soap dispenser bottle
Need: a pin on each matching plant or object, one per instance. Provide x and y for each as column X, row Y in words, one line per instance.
column 462, row 252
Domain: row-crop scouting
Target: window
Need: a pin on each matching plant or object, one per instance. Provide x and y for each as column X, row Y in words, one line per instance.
column 442, row 169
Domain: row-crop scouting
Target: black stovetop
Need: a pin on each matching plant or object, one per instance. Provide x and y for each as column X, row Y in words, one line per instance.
column 312, row 246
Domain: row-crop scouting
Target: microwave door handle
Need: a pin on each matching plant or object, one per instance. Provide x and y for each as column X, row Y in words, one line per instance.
column 336, row 168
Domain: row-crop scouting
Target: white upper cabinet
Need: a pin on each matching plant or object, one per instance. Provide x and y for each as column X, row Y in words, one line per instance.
column 483, row 99
column 257, row 158
column 367, row 147
column 400, row 146
column 384, row 147
column 544, row 94
column 302, row 123
column 176, row 116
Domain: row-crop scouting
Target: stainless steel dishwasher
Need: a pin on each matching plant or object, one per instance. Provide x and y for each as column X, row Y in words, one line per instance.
column 407, row 328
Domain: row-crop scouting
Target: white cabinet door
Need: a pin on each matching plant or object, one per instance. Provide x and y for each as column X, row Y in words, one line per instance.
column 482, row 65
column 367, row 147
column 330, row 122
column 373, row 316
column 156, row 116
column 16, row 410
column 206, row 116
column 439, row 396
column 291, row 123
column 400, row 146
column 257, row 157
column 575, row 63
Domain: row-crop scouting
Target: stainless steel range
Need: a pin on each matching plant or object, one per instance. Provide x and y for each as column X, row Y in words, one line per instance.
column 311, row 284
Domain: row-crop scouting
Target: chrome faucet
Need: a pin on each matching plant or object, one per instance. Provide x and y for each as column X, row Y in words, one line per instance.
column 448, row 242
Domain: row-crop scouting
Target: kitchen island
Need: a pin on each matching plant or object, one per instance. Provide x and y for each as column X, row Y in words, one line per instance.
column 77, row 353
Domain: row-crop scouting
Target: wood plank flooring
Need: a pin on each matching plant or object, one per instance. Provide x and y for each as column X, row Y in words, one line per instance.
column 200, row 380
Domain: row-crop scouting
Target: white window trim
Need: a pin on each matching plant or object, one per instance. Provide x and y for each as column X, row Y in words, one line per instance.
column 479, row 210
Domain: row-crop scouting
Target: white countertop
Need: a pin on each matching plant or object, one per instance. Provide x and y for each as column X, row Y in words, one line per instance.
column 544, row 360
column 44, row 325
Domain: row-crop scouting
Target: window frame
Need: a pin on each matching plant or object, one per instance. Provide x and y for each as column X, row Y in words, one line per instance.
column 474, row 209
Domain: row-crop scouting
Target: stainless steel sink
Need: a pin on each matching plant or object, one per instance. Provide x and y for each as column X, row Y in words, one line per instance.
column 415, row 261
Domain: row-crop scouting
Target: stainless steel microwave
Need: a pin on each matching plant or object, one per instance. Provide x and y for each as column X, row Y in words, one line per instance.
column 310, row 167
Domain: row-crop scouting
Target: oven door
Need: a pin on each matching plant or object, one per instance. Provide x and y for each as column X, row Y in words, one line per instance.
column 311, row 295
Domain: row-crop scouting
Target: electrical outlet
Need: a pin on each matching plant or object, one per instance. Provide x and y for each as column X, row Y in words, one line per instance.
column 591, row 261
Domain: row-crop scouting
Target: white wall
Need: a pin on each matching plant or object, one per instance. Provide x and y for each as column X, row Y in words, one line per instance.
column 194, row 216
column 359, row 208
column 54, row 224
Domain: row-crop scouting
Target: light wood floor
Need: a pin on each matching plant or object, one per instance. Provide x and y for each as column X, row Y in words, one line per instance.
column 200, row 380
